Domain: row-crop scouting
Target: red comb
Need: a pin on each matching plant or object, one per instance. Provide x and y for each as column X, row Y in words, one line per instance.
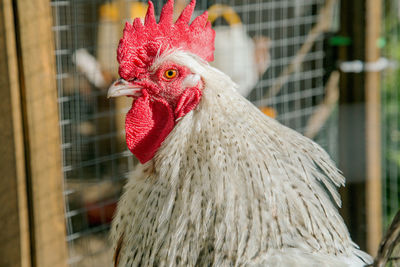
column 141, row 43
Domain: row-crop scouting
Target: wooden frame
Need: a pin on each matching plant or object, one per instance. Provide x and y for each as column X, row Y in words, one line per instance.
column 34, row 232
column 14, row 239
column 359, row 124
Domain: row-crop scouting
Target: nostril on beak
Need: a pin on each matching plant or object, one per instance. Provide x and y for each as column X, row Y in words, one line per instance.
column 121, row 81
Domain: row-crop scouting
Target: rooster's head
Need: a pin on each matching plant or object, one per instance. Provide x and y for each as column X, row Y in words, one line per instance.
column 154, row 72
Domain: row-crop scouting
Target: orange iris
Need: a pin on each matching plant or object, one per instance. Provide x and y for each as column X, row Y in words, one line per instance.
column 169, row 74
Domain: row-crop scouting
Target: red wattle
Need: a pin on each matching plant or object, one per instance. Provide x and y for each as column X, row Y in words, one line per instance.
column 147, row 124
column 188, row 101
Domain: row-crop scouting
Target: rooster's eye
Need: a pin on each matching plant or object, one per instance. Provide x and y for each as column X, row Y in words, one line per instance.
column 169, row 74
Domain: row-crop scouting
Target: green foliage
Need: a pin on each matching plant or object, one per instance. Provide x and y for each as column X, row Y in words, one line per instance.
column 391, row 110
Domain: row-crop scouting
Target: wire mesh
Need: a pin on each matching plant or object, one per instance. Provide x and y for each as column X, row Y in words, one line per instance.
column 390, row 112
column 95, row 159
column 391, row 119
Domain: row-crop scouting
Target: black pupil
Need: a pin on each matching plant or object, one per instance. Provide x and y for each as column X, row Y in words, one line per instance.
column 170, row 73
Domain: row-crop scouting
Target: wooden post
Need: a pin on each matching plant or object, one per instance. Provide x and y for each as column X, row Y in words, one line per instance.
column 14, row 223
column 41, row 131
column 359, row 127
column 32, row 224
column 373, row 130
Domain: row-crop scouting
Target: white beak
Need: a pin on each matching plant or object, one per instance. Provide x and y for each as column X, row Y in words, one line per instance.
column 123, row 88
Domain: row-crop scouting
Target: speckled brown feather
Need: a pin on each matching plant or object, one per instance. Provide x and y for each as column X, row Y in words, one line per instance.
column 389, row 242
column 118, row 251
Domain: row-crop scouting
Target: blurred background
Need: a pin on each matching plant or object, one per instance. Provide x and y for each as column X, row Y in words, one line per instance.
column 326, row 68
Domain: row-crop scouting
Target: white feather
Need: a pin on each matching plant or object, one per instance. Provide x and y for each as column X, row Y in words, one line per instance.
column 191, row 80
column 233, row 187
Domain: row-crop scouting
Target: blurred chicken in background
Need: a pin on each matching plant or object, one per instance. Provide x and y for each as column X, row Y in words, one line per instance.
column 244, row 59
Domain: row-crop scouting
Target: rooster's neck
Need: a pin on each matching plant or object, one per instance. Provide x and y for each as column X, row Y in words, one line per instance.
column 231, row 185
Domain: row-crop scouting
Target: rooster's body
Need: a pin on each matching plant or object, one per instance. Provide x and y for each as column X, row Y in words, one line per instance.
column 226, row 186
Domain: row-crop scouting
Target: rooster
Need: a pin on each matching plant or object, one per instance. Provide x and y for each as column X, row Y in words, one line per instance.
column 220, row 183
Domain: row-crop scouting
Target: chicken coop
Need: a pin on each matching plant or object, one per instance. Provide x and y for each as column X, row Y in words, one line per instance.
column 325, row 68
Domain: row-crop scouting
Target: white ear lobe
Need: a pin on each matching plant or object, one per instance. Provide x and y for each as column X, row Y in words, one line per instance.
column 191, row 80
